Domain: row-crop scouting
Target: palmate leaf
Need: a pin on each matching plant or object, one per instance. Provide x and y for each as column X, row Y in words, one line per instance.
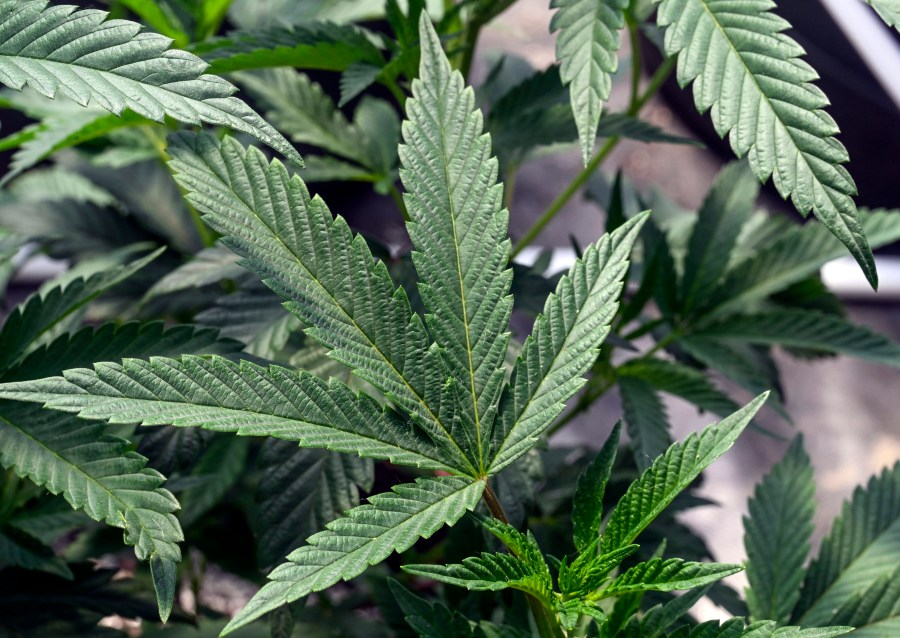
column 109, row 63
column 777, row 536
column 889, row 10
column 760, row 92
column 222, row 396
column 41, row 312
column 587, row 46
column 96, row 472
column 860, row 549
column 563, row 344
column 672, row 574
column 458, row 228
column 670, row 474
column 807, row 329
column 312, row 45
column 300, row 491
column 388, row 523
column 333, row 284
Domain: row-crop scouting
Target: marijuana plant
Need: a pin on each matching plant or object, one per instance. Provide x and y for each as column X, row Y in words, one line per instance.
column 363, row 354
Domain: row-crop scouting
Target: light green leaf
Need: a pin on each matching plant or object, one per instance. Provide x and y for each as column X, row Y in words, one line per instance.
column 41, row 312
column 368, row 534
column 299, row 491
column 587, row 47
column 357, row 78
column 862, row 547
column 777, row 536
column 889, row 10
column 218, row 395
column 760, row 92
column 587, row 503
column 807, row 329
column 211, row 265
column 109, row 63
column 672, row 574
column 458, row 228
column 312, row 45
column 329, row 277
column 726, row 209
column 57, row 183
column 563, row 344
column 670, row 474
column 646, row 418
column 96, row 473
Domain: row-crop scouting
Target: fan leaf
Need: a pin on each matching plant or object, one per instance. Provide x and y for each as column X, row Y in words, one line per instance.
column 328, row 276
column 222, row 396
column 97, row 473
column 672, row 574
column 587, row 44
column 860, row 549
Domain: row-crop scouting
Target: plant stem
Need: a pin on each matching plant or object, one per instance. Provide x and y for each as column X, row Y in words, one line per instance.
column 470, row 41
column 563, row 198
column 398, row 200
column 634, row 38
column 546, row 626
column 637, row 103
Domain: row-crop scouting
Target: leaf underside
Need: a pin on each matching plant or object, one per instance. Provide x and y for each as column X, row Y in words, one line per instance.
column 111, row 64
column 760, row 92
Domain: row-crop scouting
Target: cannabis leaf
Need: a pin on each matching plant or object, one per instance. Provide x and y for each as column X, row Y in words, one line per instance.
column 110, row 63
column 760, row 91
column 857, row 551
column 314, row 45
column 587, row 502
column 458, row 226
column 586, row 46
column 368, row 534
column 889, row 10
column 666, row 575
column 777, row 535
column 563, row 344
column 670, row 474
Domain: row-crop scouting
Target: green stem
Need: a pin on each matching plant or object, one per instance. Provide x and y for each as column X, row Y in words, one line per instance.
column 659, row 77
column 470, row 41
column 399, row 94
column 398, row 200
column 633, row 36
column 509, row 187
column 563, row 198
column 546, row 626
